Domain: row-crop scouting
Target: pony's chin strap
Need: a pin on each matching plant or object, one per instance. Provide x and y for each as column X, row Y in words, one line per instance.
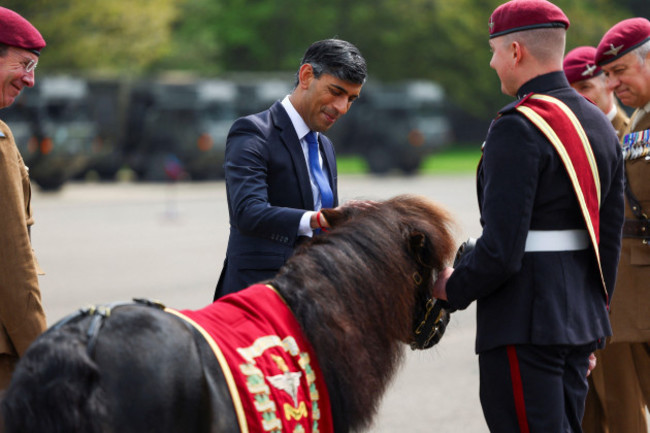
column 431, row 322
column 435, row 317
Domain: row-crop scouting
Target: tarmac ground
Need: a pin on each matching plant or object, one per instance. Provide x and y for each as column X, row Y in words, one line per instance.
column 100, row 243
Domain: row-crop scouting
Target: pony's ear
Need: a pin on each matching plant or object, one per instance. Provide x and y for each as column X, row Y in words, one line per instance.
column 417, row 241
column 338, row 215
column 422, row 249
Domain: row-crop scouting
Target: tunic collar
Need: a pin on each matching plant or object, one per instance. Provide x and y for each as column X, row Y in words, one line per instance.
column 544, row 83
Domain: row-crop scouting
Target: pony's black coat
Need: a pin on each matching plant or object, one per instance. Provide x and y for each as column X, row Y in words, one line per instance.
column 353, row 292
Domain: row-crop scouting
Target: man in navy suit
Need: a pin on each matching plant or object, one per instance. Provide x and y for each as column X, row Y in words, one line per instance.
column 274, row 190
column 550, row 192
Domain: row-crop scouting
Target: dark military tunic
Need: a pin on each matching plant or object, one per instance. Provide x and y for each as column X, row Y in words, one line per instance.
column 546, row 297
column 539, row 314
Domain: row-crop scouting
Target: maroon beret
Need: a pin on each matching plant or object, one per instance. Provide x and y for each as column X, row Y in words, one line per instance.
column 621, row 39
column 580, row 64
column 18, row 32
column 518, row 15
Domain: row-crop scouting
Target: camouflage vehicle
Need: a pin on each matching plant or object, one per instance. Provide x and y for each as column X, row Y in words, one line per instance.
column 53, row 129
column 178, row 130
column 394, row 126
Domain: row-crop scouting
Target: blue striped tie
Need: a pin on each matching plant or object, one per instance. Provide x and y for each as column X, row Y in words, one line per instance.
column 326, row 197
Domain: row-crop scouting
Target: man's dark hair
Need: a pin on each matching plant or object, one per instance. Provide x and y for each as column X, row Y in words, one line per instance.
column 338, row 58
column 3, row 49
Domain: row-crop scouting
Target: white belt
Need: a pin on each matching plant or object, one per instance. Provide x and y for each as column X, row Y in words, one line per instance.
column 556, row 240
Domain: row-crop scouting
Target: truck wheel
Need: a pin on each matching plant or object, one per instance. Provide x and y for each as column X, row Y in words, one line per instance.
column 410, row 164
column 53, row 183
column 379, row 161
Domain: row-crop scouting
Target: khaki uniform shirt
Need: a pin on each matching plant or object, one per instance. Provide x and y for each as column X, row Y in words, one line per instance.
column 620, row 122
column 22, row 317
column 630, row 309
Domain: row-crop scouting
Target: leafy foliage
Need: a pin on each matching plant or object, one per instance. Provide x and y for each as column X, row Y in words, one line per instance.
column 441, row 40
column 97, row 35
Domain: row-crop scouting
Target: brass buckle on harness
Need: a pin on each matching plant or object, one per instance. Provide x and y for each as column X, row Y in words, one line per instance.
column 429, row 308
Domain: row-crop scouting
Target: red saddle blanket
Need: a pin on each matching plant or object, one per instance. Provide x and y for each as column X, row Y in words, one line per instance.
column 272, row 370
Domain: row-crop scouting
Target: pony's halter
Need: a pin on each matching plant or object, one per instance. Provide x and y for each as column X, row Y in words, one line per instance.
column 430, row 324
column 99, row 313
column 430, row 321
column 431, row 315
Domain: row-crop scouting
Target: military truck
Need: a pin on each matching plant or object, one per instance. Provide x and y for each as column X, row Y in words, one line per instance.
column 394, row 125
column 109, row 101
column 53, row 129
column 257, row 92
column 177, row 130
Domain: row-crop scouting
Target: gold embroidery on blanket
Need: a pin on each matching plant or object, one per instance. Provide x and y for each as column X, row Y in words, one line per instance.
column 296, row 413
column 288, row 381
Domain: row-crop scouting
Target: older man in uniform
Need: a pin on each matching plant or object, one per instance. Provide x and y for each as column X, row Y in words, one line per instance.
column 22, row 317
column 624, row 55
column 588, row 79
column 550, row 190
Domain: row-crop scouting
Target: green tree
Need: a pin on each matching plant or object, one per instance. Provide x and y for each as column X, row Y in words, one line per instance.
column 114, row 36
column 241, row 35
column 638, row 8
column 445, row 41
column 448, row 42
column 401, row 39
column 195, row 45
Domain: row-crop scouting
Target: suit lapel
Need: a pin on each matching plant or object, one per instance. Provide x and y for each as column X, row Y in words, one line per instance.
column 620, row 124
column 290, row 141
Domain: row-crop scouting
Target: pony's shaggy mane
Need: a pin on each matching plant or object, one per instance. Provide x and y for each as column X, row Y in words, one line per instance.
column 357, row 281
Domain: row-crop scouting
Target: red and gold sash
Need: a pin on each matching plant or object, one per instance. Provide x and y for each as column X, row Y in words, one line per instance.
column 271, row 369
column 563, row 129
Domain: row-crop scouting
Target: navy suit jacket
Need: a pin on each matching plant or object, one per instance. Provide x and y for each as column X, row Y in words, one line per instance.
column 543, row 298
column 268, row 189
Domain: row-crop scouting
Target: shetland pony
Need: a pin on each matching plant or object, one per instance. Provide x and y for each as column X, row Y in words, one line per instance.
column 358, row 293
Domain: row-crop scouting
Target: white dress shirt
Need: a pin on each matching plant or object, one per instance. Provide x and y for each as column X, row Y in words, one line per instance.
column 304, row 229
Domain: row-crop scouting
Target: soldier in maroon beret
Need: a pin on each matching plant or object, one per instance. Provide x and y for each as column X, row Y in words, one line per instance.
column 588, row 79
column 550, row 190
column 22, row 317
column 623, row 55
column 624, row 395
column 20, row 47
